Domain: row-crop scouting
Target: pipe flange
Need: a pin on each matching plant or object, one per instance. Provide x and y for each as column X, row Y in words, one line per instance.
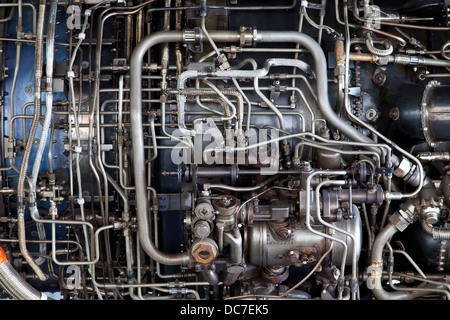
column 226, row 204
column 424, row 113
column 205, row 250
column 274, row 274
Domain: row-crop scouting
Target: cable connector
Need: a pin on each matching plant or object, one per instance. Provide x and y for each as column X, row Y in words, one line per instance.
column 70, row 74
column 81, row 36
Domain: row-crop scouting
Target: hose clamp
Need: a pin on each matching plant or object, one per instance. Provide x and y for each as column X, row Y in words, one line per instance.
column 414, row 60
column 256, row 35
column 377, row 264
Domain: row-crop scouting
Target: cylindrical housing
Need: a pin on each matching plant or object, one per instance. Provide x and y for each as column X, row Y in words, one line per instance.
column 303, row 246
column 266, row 250
column 435, row 114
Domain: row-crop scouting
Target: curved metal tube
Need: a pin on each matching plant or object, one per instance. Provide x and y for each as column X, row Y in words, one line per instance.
column 185, row 76
column 136, row 64
column 320, row 68
column 26, row 156
column 436, row 232
column 50, row 48
column 377, row 255
column 211, row 277
column 234, row 239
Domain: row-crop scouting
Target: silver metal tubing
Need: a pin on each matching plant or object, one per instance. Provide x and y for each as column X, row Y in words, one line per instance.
column 329, row 225
column 320, row 69
column 136, row 65
column 401, row 41
column 256, row 74
column 308, row 216
column 363, row 124
column 26, row 157
column 240, row 189
column 139, row 152
column 394, row 24
column 48, row 112
column 437, row 232
column 19, row 5
column 377, row 255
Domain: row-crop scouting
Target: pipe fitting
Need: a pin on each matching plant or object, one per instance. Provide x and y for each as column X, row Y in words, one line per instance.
column 205, row 250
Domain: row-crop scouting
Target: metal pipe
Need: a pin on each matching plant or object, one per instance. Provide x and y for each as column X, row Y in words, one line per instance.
column 139, row 152
column 329, row 225
column 19, row 5
column 48, row 112
column 27, row 153
column 320, row 69
column 234, row 239
column 394, row 24
column 355, row 119
column 437, row 232
column 136, row 65
column 377, row 257
column 308, row 218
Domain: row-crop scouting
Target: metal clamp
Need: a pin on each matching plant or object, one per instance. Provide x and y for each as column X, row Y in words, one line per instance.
column 246, row 36
column 193, row 36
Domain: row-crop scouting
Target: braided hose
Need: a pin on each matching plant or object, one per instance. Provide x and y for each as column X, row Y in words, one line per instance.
column 30, row 142
column 437, row 233
column 379, row 52
column 14, row 284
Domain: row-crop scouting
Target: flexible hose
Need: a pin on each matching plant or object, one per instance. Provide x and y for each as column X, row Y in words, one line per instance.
column 50, row 52
column 436, row 232
column 377, row 256
column 30, row 142
column 14, row 284
column 385, row 42
column 379, row 52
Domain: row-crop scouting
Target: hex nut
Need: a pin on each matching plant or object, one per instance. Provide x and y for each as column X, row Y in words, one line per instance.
column 205, row 250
